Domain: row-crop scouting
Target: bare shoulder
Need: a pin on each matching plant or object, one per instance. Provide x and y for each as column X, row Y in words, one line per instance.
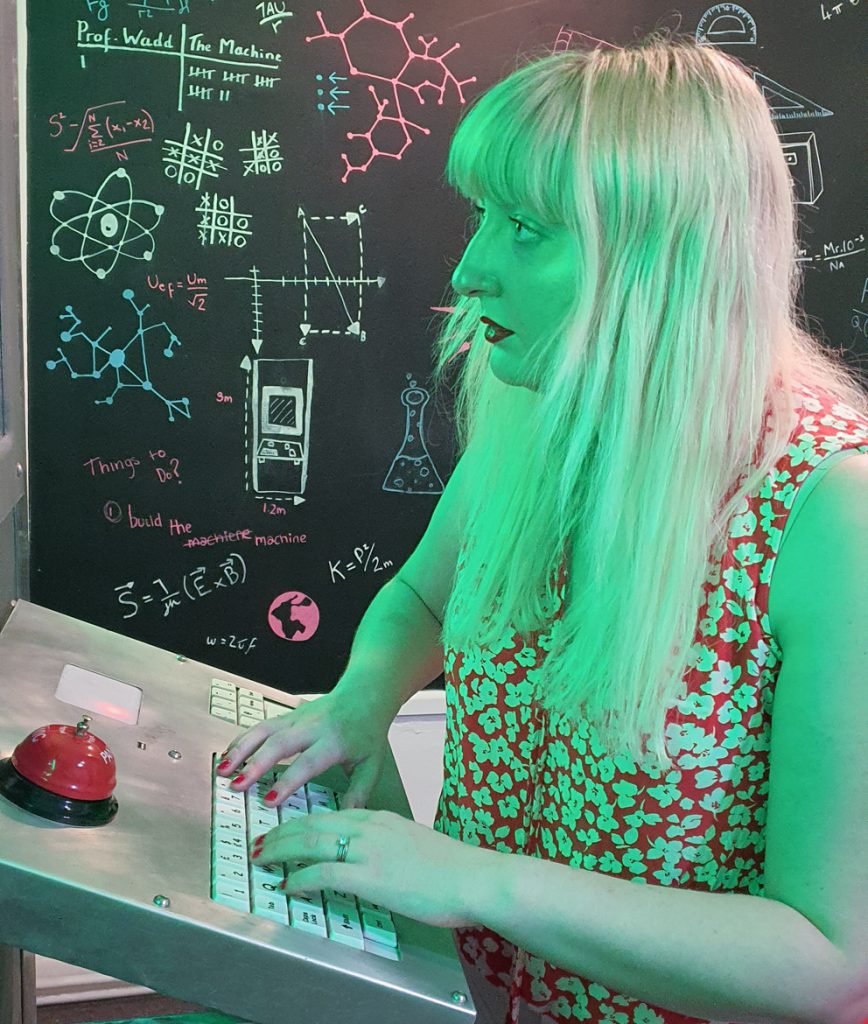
column 815, row 836
column 825, row 550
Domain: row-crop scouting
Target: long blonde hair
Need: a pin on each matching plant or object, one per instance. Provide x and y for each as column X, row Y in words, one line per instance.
column 645, row 429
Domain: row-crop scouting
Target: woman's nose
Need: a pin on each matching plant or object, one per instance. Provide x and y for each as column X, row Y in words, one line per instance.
column 473, row 276
column 474, row 283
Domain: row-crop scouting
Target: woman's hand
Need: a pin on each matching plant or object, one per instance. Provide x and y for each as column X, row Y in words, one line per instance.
column 341, row 727
column 399, row 864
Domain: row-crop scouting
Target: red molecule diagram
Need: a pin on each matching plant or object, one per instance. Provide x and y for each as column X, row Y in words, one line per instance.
column 389, row 135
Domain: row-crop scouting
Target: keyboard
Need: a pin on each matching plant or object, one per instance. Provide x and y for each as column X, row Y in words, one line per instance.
column 240, row 706
column 240, row 883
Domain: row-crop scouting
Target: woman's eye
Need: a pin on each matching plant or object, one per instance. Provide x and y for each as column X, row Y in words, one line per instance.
column 522, row 230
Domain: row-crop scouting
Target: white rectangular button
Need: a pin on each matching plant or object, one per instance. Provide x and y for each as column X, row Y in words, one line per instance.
column 235, row 902
column 224, row 859
column 379, row 928
column 226, row 716
column 271, row 905
column 344, row 924
column 227, row 703
column 378, row 949
column 226, row 872
column 307, row 915
column 231, row 895
column 228, row 812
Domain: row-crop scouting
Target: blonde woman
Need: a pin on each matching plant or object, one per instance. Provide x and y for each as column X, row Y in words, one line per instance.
column 646, row 577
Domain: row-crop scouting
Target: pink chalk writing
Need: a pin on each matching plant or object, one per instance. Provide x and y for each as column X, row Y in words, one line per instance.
column 195, row 286
column 106, row 128
column 97, row 467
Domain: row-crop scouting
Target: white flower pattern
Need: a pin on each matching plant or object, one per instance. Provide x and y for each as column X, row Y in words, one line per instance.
column 519, row 780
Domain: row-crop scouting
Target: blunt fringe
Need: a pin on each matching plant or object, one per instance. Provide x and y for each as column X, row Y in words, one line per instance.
column 667, row 394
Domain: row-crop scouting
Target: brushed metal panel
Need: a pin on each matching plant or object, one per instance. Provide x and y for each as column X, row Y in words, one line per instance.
column 85, row 896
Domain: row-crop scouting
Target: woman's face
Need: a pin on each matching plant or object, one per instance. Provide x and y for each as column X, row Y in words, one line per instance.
column 523, row 273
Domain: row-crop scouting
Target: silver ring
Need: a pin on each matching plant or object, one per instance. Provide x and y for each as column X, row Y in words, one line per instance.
column 343, row 846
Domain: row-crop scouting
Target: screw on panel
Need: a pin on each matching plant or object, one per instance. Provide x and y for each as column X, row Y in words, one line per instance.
column 459, row 997
column 162, row 901
column 175, row 755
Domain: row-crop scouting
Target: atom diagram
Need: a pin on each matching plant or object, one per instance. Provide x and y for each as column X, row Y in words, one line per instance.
column 97, row 230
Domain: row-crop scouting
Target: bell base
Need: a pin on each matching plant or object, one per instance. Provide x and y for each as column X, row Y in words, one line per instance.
column 64, row 809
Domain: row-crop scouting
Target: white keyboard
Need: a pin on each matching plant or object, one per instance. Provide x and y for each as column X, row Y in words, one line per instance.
column 241, row 706
column 238, row 882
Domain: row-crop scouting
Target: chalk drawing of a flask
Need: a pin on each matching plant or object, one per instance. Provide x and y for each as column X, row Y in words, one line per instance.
column 413, row 471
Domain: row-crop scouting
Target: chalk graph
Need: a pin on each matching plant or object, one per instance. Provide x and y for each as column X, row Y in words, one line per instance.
column 339, row 296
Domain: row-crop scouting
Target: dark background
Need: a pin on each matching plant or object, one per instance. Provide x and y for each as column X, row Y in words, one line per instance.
column 87, row 559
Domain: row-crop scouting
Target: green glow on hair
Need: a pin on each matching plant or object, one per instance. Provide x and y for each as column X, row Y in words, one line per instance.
column 643, row 432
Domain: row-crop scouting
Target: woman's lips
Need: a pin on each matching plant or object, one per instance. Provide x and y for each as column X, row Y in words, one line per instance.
column 494, row 332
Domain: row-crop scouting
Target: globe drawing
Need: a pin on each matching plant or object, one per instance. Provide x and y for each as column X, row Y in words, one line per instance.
column 293, row 616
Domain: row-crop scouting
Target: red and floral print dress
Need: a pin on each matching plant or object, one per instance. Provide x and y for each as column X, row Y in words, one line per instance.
column 520, row 780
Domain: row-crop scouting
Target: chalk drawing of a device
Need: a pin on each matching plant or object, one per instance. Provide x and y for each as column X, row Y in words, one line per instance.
column 280, row 399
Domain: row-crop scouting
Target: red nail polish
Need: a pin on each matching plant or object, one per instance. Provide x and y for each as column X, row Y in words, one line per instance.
column 271, row 795
column 282, row 885
column 256, row 853
column 237, row 779
column 222, row 765
column 259, row 840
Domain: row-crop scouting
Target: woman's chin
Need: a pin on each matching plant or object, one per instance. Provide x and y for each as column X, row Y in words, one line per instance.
column 507, row 372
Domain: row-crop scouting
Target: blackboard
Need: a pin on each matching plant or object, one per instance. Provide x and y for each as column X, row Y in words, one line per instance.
column 239, row 248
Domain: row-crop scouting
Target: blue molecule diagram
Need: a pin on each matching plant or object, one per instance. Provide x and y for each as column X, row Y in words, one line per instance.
column 129, row 362
column 96, row 230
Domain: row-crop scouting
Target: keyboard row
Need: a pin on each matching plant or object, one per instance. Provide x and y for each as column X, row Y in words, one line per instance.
column 241, row 706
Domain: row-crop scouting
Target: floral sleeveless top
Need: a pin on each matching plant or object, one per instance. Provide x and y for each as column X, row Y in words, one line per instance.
column 520, row 780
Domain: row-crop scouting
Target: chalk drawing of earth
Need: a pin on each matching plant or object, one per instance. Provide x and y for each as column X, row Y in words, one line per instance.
column 293, row 616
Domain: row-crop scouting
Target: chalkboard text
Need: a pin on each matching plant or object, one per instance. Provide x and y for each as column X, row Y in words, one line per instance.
column 137, row 521
column 197, row 583
column 97, row 467
column 364, row 556
column 227, row 536
column 260, row 540
column 243, row 644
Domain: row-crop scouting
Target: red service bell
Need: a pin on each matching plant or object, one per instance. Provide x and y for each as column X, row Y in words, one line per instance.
column 63, row 773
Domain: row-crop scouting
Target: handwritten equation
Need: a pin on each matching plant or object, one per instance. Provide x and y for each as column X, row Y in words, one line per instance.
column 145, row 8
column 106, row 129
column 244, row 644
column 194, row 585
column 272, row 12
column 195, row 286
column 826, row 14
column 833, row 254
column 364, row 556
